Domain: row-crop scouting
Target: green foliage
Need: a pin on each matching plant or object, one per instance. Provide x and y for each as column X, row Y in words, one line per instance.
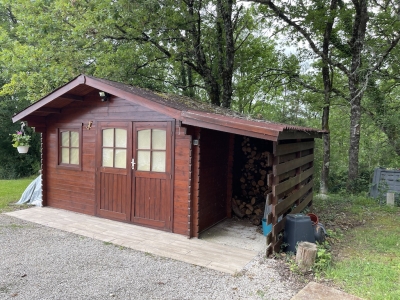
column 370, row 264
column 323, row 259
column 13, row 164
column 153, row 44
column 20, row 139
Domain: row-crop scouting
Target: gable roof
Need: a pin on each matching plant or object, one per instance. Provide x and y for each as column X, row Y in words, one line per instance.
column 184, row 109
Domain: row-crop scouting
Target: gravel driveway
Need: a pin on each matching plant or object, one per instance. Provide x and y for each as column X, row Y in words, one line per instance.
column 38, row 262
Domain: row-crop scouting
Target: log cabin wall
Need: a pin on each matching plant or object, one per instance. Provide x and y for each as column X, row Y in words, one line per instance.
column 182, row 182
column 292, row 185
column 195, row 181
column 214, row 158
column 75, row 189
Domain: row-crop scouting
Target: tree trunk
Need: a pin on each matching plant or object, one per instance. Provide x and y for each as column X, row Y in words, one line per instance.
column 326, row 140
column 326, row 77
column 355, row 119
column 229, row 53
column 356, row 92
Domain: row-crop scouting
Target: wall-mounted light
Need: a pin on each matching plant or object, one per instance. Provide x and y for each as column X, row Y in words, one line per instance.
column 103, row 96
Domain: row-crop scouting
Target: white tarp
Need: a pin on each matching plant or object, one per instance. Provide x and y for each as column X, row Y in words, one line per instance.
column 33, row 193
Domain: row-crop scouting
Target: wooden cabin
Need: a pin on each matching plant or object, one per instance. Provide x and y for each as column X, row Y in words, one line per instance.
column 166, row 162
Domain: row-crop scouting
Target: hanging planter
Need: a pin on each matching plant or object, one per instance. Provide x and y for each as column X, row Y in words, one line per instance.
column 21, row 141
column 23, row 149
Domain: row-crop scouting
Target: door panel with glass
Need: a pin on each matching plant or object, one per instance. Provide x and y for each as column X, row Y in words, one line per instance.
column 113, row 175
column 134, row 172
column 151, row 180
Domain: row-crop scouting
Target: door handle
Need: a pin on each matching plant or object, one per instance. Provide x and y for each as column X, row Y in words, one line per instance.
column 133, row 164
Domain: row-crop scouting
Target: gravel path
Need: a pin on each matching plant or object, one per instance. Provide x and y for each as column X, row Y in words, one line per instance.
column 38, row 262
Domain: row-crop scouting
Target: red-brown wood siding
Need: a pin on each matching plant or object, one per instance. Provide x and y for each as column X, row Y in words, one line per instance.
column 150, row 202
column 113, row 199
column 75, row 189
column 230, row 175
column 213, row 183
column 182, row 182
column 194, row 190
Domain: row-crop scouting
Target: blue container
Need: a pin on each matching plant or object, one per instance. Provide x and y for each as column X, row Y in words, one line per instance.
column 266, row 228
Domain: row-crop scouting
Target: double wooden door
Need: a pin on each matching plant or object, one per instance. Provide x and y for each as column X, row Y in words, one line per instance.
column 134, row 172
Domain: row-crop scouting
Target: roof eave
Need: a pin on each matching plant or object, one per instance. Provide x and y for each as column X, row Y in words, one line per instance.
column 47, row 99
column 174, row 113
column 82, row 79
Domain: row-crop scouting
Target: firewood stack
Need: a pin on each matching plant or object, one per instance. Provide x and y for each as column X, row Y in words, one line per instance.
column 250, row 201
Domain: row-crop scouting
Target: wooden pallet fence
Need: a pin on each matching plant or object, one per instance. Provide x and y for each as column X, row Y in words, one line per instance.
column 292, row 186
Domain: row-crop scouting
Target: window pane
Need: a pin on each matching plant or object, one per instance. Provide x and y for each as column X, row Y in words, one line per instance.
column 120, row 158
column 144, row 139
column 74, row 139
column 159, row 140
column 158, row 161
column 65, row 155
column 108, row 137
column 120, row 138
column 108, row 157
column 65, row 138
column 143, row 161
column 74, row 156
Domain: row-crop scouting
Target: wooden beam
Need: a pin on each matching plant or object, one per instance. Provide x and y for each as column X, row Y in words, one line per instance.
column 35, row 121
column 262, row 128
column 288, row 202
column 292, row 164
column 303, row 204
column 228, row 129
column 229, row 176
column 281, row 225
column 49, row 110
column 292, row 147
column 71, row 97
column 280, row 188
column 294, row 135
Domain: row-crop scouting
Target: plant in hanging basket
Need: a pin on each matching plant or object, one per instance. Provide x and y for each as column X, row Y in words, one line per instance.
column 20, row 139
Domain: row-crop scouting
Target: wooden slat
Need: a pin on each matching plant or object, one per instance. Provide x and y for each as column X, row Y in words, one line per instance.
column 279, row 227
column 295, row 134
column 280, row 188
column 269, row 238
column 303, row 204
column 288, row 202
column 277, row 245
column 283, row 149
column 293, row 164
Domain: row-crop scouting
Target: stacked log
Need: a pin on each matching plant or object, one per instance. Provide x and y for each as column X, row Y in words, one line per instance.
column 253, row 182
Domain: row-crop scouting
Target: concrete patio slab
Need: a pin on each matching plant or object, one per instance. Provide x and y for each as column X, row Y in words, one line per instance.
column 224, row 258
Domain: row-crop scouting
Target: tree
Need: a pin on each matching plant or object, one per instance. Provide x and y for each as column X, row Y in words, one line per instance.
column 337, row 35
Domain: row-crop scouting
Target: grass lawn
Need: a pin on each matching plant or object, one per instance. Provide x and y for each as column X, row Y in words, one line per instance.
column 11, row 191
column 366, row 253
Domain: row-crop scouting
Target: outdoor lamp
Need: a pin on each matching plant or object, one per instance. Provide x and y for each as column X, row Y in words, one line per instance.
column 104, row 96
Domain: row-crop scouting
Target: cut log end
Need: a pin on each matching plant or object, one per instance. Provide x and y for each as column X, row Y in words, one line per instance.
column 305, row 256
